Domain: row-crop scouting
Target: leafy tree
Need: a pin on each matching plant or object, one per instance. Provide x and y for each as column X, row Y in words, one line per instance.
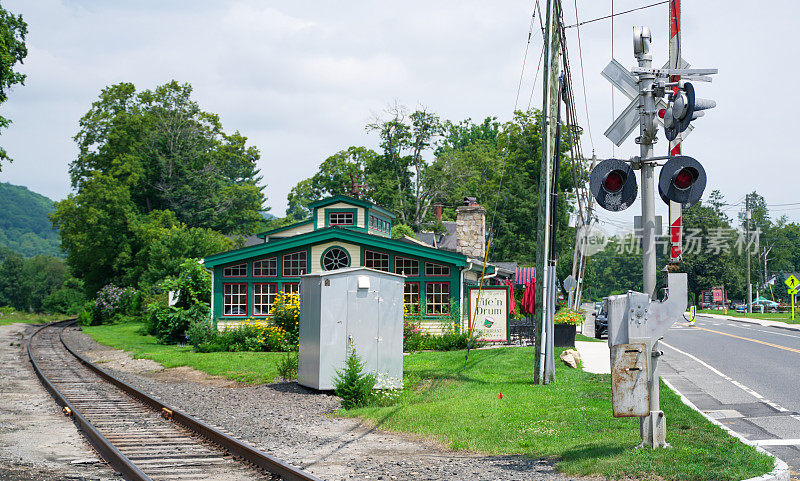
column 706, row 266
column 177, row 157
column 400, row 230
column 67, row 299
column 40, row 276
column 165, row 244
column 12, row 51
column 11, row 293
column 426, row 160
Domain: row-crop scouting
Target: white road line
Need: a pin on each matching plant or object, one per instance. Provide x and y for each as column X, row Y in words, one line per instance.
column 734, row 324
column 727, row 378
column 776, row 442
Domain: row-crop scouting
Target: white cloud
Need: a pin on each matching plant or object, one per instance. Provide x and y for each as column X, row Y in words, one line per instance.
column 301, row 79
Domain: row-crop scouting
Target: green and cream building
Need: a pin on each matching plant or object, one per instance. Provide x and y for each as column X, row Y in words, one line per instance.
column 348, row 232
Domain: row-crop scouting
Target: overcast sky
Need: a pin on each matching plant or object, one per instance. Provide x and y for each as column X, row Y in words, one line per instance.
column 301, row 79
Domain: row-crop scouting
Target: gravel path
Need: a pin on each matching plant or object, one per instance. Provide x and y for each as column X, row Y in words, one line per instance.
column 36, row 441
column 295, row 424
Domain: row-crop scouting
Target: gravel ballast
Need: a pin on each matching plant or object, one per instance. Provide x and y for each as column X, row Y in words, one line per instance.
column 296, row 425
column 37, row 442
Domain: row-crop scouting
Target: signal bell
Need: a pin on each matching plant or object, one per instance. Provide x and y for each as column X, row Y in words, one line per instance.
column 613, row 185
column 682, row 180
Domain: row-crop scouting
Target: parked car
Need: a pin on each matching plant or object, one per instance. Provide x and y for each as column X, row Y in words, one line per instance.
column 600, row 320
column 769, row 306
column 740, row 307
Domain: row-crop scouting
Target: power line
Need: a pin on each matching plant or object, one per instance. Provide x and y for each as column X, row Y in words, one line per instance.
column 616, row 14
column 583, row 80
column 525, row 58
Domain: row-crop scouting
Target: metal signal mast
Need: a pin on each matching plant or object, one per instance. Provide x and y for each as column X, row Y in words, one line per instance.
column 638, row 320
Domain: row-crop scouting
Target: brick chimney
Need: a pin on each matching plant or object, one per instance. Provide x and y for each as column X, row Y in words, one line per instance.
column 471, row 229
column 437, row 210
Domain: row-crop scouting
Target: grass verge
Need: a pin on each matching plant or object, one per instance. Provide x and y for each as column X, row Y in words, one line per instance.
column 569, row 419
column 249, row 367
column 767, row 316
column 26, row 318
column 581, row 337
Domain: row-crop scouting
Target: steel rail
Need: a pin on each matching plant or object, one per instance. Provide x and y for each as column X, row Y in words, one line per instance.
column 121, row 463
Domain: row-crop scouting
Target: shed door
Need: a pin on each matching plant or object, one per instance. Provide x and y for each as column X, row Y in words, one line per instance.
column 390, row 333
column 362, row 325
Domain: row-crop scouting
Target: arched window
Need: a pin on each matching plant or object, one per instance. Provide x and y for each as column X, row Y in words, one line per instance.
column 335, row 258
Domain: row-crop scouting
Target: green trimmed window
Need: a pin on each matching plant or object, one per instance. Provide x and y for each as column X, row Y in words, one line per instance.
column 437, row 298
column 436, row 270
column 266, row 267
column 406, row 266
column 263, row 297
column 341, row 218
column 295, row 264
column 239, row 270
column 376, row 260
column 234, row 299
column 411, row 298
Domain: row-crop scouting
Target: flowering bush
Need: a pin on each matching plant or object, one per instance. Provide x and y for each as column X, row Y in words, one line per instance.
column 250, row 335
column 111, row 301
column 285, row 314
column 568, row 316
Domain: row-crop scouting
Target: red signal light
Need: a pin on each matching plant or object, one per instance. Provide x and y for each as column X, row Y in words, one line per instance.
column 684, row 178
column 614, row 181
column 662, row 113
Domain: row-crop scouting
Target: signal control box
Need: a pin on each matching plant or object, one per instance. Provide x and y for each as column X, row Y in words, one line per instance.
column 629, row 393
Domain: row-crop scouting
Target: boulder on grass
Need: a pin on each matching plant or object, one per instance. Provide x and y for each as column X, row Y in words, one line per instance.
column 571, row 358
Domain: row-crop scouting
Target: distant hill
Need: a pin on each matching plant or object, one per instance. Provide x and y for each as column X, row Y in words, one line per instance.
column 24, row 225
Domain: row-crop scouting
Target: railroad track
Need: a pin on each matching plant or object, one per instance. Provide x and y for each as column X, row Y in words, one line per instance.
column 137, row 435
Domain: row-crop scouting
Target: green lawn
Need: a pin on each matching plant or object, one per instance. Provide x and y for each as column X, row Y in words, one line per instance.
column 581, row 337
column 250, row 367
column 569, row 420
column 769, row 316
column 27, row 318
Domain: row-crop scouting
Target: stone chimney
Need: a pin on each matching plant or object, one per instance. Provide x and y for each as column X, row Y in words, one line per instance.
column 471, row 229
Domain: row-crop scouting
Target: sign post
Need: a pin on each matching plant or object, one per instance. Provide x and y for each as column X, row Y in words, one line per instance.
column 792, row 283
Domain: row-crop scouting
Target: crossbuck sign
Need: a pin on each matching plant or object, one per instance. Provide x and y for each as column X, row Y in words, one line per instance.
column 628, row 120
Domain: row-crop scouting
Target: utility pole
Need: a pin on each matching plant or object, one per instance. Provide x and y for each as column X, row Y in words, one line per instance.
column 747, row 215
column 545, row 296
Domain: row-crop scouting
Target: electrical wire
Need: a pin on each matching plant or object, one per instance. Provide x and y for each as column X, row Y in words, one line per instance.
column 525, row 58
column 616, row 14
column 583, row 80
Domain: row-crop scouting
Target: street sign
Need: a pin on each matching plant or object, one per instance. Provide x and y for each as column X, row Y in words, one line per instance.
column 570, row 283
column 793, row 292
column 792, row 282
column 628, row 120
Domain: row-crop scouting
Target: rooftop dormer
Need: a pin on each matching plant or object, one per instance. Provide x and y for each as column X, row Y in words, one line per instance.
column 339, row 211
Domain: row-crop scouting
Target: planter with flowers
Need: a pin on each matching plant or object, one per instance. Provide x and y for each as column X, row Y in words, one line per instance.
column 566, row 323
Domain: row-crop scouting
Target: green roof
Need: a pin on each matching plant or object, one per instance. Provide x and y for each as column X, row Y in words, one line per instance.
column 284, row 228
column 350, row 200
column 336, row 233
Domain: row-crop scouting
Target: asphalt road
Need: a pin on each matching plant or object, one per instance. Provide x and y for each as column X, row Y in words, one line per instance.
column 746, row 376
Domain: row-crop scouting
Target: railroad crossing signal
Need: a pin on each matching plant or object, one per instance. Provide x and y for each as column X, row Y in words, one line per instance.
column 682, row 180
column 613, row 184
column 792, row 282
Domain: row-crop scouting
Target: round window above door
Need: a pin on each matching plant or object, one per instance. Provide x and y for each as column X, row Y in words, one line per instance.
column 335, row 258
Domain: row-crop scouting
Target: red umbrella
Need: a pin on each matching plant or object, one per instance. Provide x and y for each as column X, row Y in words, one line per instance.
column 529, row 297
column 511, row 300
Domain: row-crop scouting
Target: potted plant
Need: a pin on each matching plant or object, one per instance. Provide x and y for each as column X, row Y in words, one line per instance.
column 566, row 322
